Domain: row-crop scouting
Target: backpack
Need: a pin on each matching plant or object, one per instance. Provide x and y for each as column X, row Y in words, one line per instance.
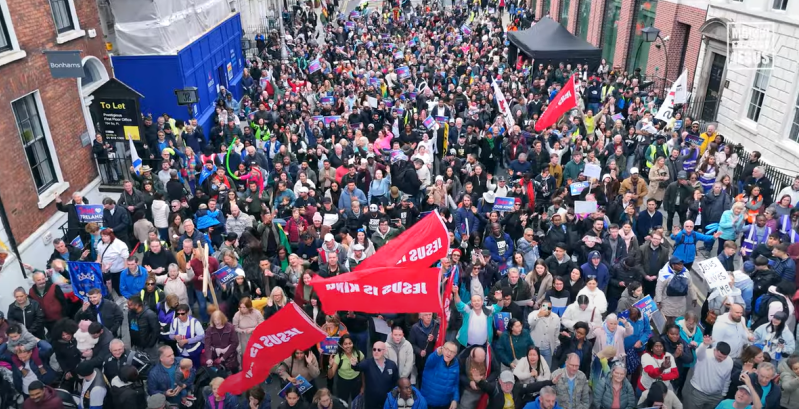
column 677, row 286
column 139, row 361
column 760, row 312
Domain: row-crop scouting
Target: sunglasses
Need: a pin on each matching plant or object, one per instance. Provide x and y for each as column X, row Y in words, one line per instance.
column 377, row 349
column 150, row 284
column 180, row 313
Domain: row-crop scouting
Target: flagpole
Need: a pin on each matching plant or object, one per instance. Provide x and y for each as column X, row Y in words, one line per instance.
column 207, row 275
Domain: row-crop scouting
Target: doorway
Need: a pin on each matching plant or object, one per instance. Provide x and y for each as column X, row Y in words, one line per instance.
column 221, row 77
column 714, row 87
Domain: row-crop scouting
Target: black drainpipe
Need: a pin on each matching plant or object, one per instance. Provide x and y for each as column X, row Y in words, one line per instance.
column 12, row 242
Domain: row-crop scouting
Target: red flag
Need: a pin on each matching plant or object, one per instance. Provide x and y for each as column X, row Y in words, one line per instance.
column 565, row 101
column 378, row 290
column 445, row 309
column 273, row 341
column 425, row 243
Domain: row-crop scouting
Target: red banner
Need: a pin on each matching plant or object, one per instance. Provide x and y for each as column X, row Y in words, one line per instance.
column 446, row 303
column 273, row 341
column 381, row 290
column 422, row 245
column 565, row 101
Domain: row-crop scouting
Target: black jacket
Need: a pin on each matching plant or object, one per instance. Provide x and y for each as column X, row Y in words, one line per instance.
column 149, row 329
column 74, row 225
column 686, row 193
column 494, row 369
column 110, row 314
column 522, row 393
column 31, row 316
column 73, row 254
column 621, row 273
column 773, row 397
column 127, row 396
column 119, row 222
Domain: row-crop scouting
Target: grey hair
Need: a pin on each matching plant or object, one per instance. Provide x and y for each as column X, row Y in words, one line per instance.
column 766, row 365
column 116, row 341
column 611, row 317
column 547, row 390
column 571, row 356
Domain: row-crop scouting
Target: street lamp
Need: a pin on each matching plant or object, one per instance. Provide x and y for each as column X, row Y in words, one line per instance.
column 651, row 34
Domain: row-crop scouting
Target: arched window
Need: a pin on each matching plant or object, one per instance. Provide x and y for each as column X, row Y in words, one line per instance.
column 94, row 75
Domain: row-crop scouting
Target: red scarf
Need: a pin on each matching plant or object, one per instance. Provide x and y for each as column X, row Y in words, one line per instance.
column 530, row 194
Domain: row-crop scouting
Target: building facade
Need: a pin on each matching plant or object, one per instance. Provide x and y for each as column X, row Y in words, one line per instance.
column 756, row 105
column 47, row 134
column 615, row 26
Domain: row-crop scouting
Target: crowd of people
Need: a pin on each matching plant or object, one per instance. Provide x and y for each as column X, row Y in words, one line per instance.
column 324, row 158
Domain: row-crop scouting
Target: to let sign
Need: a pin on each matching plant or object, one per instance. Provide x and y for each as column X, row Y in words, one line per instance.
column 119, row 119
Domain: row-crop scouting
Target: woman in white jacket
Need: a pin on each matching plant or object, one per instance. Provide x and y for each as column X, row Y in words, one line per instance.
column 582, row 310
column 769, row 335
column 544, row 329
column 174, row 282
column 610, row 334
column 532, row 368
column 160, row 209
column 400, row 351
column 595, row 296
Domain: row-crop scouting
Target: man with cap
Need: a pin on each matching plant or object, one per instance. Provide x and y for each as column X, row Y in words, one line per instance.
column 92, row 388
column 636, row 185
column 656, row 150
column 745, row 397
column 676, row 197
column 711, row 378
column 407, row 213
column 673, row 289
column 357, row 256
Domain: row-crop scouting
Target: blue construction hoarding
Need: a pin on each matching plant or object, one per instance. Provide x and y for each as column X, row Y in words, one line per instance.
column 213, row 60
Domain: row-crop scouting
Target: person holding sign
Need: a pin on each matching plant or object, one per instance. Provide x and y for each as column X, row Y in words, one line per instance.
column 342, row 369
column 301, row 365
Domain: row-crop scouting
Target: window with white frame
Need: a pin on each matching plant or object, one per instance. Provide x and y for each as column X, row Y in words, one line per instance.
column 780, row 5
column 62, row 15
column 759, row 88
column 8, row 39
column 34, row 141
column 793, row 134
column 5, row 36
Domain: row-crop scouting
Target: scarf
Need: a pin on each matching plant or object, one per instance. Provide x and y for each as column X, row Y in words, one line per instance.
column 627, row 237
column 610, row 335
column 690, row 333
column 427, row 329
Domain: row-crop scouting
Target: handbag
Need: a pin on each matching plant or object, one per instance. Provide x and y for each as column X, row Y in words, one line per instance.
column 711, row 317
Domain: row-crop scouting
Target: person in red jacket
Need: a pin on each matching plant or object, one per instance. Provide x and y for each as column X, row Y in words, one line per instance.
column 50, row 297
column 657, row 364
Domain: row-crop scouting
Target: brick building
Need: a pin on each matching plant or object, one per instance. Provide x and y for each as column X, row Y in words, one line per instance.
column 615, row 26
column 47, row 134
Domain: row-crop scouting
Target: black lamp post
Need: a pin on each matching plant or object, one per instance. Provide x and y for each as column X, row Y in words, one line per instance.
column 651, row 34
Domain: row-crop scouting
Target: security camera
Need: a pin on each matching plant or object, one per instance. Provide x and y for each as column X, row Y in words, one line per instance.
column 666, row 39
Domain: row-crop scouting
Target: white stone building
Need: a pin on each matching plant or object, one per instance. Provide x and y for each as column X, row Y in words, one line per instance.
column 757, row 107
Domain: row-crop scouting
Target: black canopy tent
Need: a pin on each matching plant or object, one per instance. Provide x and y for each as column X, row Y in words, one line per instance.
column 548, row 42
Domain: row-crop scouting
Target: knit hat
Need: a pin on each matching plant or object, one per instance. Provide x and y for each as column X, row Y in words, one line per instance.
column 239, row 272
column 84, row 325
column 317, row 217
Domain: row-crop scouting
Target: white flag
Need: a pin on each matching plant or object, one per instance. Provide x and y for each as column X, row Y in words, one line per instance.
column 503, row 106
column 134, row 157
column 678, row 94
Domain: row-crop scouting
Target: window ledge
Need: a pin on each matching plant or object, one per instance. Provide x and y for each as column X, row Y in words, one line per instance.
column 68, row 36
column 747, row 124
column 11, row 56
column 48, row 196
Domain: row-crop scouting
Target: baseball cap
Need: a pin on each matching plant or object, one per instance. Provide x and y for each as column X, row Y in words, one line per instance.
column 507, row 377
column 357, row 247
column 329, row 237
column 675, row 260
column 745, row 388
column 326, row 200
column 682, row 175
column 634, row 170
column 157, row 401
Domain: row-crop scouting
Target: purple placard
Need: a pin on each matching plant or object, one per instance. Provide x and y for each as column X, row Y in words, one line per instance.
column 442, row 119
column 693, row 139
column 429, row 122
column 331, row 119
column 466, row 30
column 327, row 100
column 314, row 66
column 224, row 275
column 399, row 55
column 317, row 118
column 404, row 72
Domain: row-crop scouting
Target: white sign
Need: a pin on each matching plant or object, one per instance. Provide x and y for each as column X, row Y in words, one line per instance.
column 678, row 94
column 372, row 102
column 751, row 45
column 582, row 206
column 725, row 290
column 714, row 272
column 592, row 171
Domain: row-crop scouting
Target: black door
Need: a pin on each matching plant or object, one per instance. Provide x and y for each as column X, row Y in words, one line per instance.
column 714, row 87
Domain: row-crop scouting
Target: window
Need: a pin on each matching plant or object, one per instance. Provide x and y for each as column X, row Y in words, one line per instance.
column 639, row 49
column 564, row 13
column 780, row 5
column 794, row 132
column 583, row 18
column 610, row 29
column 759, row 88
column 5, row 38
column 547, row 6
column 34, row 141
column 62, row 15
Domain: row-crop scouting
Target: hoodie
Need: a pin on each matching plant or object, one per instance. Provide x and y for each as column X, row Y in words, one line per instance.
column 50, row 400
column 127, row 395
column 733, row 333
column 402, row 354
column 27, row 340
column 599, row 271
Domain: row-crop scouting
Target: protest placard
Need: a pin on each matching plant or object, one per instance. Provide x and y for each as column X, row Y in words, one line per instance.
column 714, row 272
column 583, row 206
column 429, row 122
column 224, row 275
column 330, row 119
column 403, row 73
column 503, row 204
column 592, row 171
column 329, row 345
column 302, row 386
column 90, row 213
column 314, row 66
column 501, row 320
column 372, row 101
column 576, row 188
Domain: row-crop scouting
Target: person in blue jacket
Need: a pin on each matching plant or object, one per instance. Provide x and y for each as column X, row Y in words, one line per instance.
column 405, row 394
column 499, row 244
column 685, row 242
column 467, row 220
column 132, row 279
column 441, row 376
column 595, row 267
column 547, row 399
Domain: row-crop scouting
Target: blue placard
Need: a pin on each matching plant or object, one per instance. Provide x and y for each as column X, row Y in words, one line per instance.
column 403, row 72
column 90, row 213
column 429, row 122
column 303, row 386
column 314, row 66
column 503, row 204
column 442, row 119
column 317, row 118
column 693, row 139
column 399, row 55
column 224, row 275
column 678, row 124
column 501, row 320
column 331, row 119
column 77, row 243
column 375, row 82
column 647, row 306
column 466, row 30
column 576, row 188
column 329, row 345
column 327, row 100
